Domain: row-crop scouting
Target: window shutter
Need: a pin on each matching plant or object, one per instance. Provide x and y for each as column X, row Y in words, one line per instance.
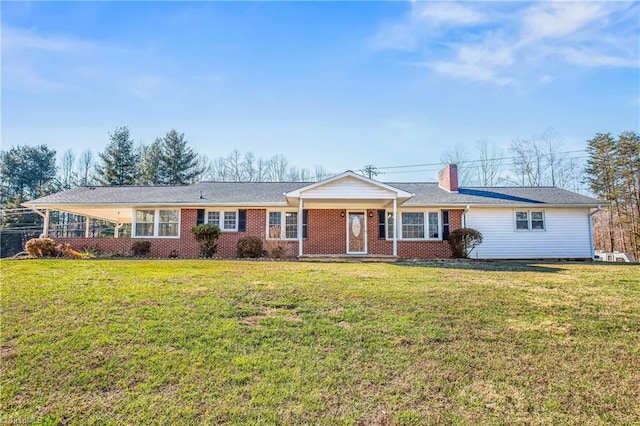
column 305, row 221
column 382, row 228
column 445, row 224
column 242, row 220
column 200, row 219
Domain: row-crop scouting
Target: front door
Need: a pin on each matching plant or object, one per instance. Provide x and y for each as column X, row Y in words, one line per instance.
column 356, row 233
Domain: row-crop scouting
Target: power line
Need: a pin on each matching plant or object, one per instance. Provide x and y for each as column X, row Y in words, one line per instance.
column 468, row 161
column 462, row 162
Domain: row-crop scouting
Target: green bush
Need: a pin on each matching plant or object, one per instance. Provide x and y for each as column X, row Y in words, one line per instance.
column 207, row 237
column 250, row 246
column 41, row 247
column 141, row 248
column 462, row 242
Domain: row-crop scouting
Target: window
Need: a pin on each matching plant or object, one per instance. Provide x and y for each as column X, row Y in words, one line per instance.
column 230, row 221
column 413, row 225
column 291, row 225
column 522, row 220
column 226, row 221
column 157, row 223
column 275, row 225
column 213, row 218
column 144, row 223
column 530, row 220
column 434, row 226
column 169, row 223
column 390, row 226
column 282, row 225
column 537, row 220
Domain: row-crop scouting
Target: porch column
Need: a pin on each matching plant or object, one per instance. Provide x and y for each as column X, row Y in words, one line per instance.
column 116, row 230
column 395, row 227
column 87, row 225
column 45, row 227
column 300, row 227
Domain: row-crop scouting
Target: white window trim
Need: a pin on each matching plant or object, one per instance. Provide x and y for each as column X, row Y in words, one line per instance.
column 529, row 220
column 221, row 213
column 156, row 223
column 283, row 224
column 426, row 225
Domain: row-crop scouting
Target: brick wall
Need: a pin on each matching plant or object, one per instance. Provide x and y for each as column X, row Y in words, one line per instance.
column 327, row 234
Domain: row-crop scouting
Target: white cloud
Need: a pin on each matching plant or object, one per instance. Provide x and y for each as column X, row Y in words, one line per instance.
column 446, row 13
column 590, row 58
column 559, row 19
column 510, row 44
column 422, row 19
column 18, row 39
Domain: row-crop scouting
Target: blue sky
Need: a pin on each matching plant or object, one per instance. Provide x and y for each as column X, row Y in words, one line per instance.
column 340, row 84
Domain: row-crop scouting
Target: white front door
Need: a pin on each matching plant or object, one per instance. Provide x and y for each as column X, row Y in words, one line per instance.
column 356, row 233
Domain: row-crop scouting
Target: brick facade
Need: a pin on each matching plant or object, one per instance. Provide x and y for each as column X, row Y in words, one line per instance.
column 327, row 234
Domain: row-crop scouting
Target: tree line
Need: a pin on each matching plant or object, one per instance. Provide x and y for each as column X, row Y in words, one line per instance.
column 538, row 160
column 611, row 172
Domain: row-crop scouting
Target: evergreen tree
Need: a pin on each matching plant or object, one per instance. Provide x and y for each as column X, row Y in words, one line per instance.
column 178, row 162
column 150, row 157
column 26, row 172
column 602, row 175
column 627, row 154
column 119, row 160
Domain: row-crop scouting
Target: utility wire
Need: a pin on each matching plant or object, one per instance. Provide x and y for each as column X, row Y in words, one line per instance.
column 467, row 161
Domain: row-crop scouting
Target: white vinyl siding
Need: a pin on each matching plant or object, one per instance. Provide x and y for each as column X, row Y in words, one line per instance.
column 225, row 220
column 348, row 188
column 567, row 234
column 155, row 223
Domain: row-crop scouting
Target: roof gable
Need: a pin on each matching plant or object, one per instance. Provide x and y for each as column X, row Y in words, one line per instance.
column 348, row 185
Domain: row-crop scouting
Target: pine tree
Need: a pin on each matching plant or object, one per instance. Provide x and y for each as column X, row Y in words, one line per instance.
column 602, row 175
column 119, row 160
column 627, row 154
column 178, row 162
column 150, row 157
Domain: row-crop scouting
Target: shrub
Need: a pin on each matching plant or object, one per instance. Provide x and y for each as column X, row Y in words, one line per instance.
column 278, row 251
column 250, row 246
column 207, row 237
column 141, row 248
column 67, row 252
column 41, row 247
column 462, row 242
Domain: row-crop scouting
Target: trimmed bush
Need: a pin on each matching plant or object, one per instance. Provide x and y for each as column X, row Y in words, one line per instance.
column 462, row 242
column 207, row 237
column 41, row 247
column 141, row 248
column 250, row 247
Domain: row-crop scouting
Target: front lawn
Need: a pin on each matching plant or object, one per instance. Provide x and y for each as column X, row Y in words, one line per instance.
column 218, row 342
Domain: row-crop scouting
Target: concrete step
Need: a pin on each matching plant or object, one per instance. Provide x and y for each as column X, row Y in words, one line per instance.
column 355, row 258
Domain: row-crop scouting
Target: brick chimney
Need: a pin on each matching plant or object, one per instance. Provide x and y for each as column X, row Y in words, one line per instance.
column 448, row 178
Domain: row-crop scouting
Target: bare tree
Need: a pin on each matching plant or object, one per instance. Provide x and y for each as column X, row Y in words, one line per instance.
column 67, row 174
column 489, row 165
column 278, row 166
column 85, row 168
column 320, row 173
column 458, row 155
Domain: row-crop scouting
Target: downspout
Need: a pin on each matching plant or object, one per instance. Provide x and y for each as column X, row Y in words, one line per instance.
column 591, row 245
column 464, row 216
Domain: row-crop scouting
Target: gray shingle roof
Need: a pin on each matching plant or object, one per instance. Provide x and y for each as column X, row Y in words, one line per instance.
column 425, row 193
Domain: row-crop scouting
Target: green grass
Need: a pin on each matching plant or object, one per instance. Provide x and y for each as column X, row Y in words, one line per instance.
column 217, row 342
